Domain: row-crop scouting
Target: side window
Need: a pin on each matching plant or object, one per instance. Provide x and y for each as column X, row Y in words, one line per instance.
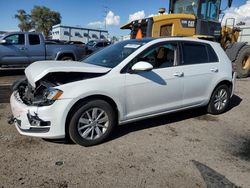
column 212, row 55
column 194, row 53
column 99, row 44
column 15, row 39
column 166, row 30
column 34, row 39
column 160, row 56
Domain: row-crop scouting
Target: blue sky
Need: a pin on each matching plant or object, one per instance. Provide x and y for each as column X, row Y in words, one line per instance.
column 84, row 12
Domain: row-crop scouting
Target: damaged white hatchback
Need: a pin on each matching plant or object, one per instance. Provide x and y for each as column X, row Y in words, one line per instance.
column 128, row 81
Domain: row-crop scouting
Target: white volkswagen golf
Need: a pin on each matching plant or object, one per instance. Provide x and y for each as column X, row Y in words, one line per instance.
column 128, row 81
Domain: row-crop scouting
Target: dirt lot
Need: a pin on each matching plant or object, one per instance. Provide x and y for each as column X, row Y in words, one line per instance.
column 187, row 149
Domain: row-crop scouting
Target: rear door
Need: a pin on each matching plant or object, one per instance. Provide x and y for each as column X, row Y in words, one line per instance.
column 14, row 51
column 36, row 49
column 200, row 67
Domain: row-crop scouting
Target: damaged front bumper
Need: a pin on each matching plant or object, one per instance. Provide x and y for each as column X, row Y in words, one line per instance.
column 44, row 122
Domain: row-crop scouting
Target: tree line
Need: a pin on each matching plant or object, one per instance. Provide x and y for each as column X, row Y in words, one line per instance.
column 41, row 19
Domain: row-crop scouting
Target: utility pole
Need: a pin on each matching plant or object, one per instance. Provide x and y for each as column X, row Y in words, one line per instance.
column 105, row 15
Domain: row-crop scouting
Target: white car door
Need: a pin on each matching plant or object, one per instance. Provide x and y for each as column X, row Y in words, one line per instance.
column 200, row 68
column 158, row 90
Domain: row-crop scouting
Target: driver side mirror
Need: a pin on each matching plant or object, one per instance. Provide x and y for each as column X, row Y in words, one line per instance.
column 142, row 66
column 3, row 41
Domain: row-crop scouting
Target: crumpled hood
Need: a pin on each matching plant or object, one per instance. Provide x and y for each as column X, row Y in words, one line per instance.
column 39, row 69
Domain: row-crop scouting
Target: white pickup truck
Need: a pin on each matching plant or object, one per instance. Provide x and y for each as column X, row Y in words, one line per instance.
column 19, row 49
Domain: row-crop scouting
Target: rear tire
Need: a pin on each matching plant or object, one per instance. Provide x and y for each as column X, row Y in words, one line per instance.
column 219, row 100
column 243, row 62
column 67, row 58
column 92, row 123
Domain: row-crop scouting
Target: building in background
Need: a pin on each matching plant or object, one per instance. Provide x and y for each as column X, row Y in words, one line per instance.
column 244, row 34
column 124, row 37
column 68, row 33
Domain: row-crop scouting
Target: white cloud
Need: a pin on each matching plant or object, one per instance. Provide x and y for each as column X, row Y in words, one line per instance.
column 151, row 15
column 97, row 24
column 136, row 16
column 111, row 19
column 241, row 14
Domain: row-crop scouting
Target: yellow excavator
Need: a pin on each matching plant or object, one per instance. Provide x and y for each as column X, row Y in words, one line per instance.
column 199, row 19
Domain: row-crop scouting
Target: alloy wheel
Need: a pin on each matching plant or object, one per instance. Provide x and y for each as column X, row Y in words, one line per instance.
column 93, row 123
column 221, row 99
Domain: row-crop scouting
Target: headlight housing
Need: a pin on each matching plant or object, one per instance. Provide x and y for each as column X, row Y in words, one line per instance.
column 49, row 96
column 53, row 94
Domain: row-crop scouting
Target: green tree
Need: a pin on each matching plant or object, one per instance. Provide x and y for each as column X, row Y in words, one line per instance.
column 24, row 19
column 114, row 39
column 43, row 19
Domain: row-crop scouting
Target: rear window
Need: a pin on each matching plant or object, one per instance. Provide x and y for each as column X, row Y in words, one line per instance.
column 211, row 54
column 34, row 39
column 195, row 53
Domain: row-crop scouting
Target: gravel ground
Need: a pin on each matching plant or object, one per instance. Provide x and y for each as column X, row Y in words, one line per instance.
column 186, row 149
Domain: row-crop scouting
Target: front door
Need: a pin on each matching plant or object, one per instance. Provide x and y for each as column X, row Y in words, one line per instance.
column 158, row 90
column 14, row 51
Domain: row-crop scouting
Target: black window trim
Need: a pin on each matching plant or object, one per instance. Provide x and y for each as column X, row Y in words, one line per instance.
column 125, row 69
column 40, row 42
column 197, row 43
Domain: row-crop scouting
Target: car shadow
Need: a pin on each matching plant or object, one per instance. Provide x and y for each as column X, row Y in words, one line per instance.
column 234, row 102
column 152, row 76
column 168, row 119
column 161, row 120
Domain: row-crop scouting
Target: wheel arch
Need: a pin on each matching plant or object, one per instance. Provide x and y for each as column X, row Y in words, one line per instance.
column 223, row 82
column 63, row 54
column 81, row 101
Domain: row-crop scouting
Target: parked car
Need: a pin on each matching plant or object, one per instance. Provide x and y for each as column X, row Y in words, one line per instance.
column 19, row 49
column 96, row 45
column 76, row 43
column 128, row 81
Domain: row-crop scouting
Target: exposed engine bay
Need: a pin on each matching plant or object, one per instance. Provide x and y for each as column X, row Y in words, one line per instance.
column 44, row 93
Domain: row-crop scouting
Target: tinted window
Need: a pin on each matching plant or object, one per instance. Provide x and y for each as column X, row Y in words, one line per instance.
column 99, row 44
column 166, row 30
column 34, row 39
column 212, row 55
column 194, row 53
column 15, row 39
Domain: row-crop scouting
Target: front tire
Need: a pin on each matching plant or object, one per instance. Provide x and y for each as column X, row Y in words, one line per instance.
column 92, row 123
column 219, row 100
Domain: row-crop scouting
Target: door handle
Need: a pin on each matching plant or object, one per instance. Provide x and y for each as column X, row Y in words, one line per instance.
column 214, row 70
column 179, row 74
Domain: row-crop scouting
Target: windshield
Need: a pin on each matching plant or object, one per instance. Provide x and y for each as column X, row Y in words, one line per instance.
column 113, row 55
column 187, row 6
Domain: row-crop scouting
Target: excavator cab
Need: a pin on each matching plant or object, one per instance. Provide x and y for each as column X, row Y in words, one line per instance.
column 192, row 18
column 206, row 12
